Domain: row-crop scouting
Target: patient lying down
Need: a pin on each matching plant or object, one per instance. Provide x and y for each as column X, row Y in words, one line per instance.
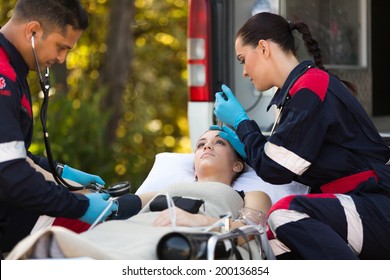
column 216, row 166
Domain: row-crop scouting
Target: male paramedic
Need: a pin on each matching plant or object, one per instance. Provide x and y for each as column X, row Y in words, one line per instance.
column 53, row 27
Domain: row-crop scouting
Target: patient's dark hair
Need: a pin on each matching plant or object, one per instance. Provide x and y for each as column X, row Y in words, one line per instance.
column 52, row 14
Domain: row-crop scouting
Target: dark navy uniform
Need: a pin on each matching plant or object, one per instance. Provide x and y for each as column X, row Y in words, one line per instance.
column 24, row 193
column 325, row 140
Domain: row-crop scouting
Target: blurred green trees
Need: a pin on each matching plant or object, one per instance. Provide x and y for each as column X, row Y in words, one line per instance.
column 121, row 98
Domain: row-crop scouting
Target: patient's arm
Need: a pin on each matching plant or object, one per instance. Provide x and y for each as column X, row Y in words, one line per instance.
column 146, row 197
column 183, row 218
column 258, row 200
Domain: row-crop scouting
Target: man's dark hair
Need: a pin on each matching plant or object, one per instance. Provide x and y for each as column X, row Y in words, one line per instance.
column 52, row 14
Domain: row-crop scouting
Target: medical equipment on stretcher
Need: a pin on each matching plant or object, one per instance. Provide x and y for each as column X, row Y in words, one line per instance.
column 188, row 246
column 207, row 244
column 180, row 245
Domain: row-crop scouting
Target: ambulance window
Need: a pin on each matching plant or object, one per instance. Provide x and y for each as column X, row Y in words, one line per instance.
column 339, row 26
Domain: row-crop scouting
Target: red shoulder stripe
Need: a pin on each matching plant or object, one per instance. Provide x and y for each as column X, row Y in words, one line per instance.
column 5, row 67
column 26, row 105
column 315, row 80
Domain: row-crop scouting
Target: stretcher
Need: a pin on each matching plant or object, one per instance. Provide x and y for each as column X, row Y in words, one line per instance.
column 134, row 239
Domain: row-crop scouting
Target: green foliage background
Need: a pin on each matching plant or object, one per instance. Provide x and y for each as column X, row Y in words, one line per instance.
column 155, row 99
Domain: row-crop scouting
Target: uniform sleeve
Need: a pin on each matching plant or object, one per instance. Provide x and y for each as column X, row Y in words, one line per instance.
column 10, row 111
column 289, row 151
column 27, row 189
column 20, row 184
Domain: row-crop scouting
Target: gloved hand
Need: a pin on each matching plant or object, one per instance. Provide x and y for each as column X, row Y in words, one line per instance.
column 80, row 177
column 228, row 109
column 230, row 135
column 97, row 204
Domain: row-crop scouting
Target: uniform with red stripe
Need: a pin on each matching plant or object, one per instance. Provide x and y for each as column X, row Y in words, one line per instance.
column 21, row 187
column 327, row 141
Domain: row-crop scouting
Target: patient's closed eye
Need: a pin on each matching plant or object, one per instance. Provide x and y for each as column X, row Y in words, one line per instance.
column 199, row 145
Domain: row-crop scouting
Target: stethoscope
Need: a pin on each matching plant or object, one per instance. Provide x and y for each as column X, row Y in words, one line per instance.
column 286, row 95
column 114, row 190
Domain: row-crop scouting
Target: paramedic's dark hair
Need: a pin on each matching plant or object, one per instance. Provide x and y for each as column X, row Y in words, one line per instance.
column 52, row 14
column 268, row 26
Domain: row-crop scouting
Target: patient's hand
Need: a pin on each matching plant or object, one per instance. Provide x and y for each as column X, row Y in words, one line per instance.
column 183, row 218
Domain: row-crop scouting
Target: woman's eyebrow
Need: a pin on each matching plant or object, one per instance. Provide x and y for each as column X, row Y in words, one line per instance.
column 219, row 137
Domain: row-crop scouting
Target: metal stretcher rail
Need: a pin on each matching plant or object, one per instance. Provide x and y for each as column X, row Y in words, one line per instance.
column 259, row 234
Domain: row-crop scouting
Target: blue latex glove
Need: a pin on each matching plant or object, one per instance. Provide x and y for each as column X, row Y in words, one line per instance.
column 97, row 204
column 80, row 177
column 230, row 135
column 228, row 109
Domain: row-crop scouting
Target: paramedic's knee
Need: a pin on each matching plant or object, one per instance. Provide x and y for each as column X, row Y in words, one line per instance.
column 281, row 214
column 279, row 217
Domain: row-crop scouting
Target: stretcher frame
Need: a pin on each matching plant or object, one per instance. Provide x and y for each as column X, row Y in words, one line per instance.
column 259, row 241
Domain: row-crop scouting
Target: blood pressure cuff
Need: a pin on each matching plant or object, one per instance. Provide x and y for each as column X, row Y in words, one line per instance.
column 128, row 206
column 159, row 203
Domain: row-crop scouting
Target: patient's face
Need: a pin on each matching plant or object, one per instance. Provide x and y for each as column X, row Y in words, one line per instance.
column 215, row 156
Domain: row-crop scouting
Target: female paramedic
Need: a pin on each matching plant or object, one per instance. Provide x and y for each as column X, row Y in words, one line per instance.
column 323, row 138
column 52, row 27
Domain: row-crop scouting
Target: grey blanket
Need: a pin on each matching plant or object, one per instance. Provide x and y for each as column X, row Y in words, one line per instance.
column 134, row 238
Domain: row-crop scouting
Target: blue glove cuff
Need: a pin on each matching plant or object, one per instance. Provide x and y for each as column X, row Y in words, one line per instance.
column 239, row 119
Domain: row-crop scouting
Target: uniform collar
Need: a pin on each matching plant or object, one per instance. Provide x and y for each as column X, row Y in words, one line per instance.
column 15, row 57
column 277, row 99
